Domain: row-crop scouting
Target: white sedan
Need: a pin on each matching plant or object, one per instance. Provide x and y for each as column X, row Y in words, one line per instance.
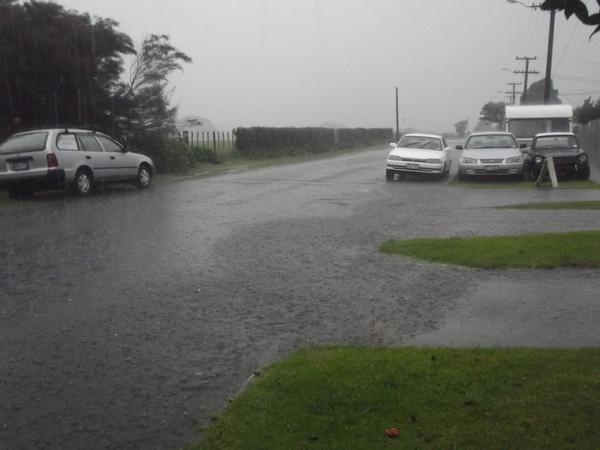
column 491, row 153
column 419, row 153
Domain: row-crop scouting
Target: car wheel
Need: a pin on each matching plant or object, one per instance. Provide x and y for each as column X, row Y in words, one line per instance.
column 584, row 174
column 82, row 183
column 389, row 175
column 144, row 177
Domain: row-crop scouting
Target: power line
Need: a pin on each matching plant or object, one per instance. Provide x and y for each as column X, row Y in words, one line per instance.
column 537, row 35
column 577, row 78
column 514, row 92
column 529, row 28
column 566, row 47
column 580, row 93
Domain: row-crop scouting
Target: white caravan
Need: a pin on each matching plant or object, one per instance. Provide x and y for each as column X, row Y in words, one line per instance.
column 524, row 122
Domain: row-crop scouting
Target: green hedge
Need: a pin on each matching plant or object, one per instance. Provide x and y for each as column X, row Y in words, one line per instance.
column 180, row 157
column 364, row 136
column 271, row 142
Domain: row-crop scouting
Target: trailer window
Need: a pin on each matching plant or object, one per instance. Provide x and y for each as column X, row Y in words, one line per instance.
column 528, row 128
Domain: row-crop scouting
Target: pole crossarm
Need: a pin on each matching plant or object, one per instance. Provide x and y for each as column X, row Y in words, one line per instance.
column 526, row 72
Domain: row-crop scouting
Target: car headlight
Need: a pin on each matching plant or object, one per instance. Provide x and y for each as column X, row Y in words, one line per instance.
column 583, row 158
column 515, row 159
column 468, row 161
column 433, row 161
column 538, row 159
column 395, row 158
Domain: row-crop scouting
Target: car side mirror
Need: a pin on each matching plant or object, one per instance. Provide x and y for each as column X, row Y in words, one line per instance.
column 523, row 146
column 459, row 147
column 392, row 145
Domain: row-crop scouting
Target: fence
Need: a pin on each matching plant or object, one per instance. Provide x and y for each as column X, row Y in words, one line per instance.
column 589, row 139
column 218, row 141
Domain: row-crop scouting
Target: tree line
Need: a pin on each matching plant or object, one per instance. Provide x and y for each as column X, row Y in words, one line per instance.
column 64, row 68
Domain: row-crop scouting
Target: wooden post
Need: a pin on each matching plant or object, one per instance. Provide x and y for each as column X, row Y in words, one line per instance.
column 215, row 143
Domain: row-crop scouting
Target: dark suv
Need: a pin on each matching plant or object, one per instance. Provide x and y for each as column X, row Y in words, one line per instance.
column 569, row 158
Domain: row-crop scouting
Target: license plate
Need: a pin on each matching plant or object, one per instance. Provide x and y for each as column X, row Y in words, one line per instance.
column 490, row 168
column 21, row 165
column 412, row 166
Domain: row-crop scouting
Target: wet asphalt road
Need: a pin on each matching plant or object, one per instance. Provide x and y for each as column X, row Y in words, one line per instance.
column 127, row 319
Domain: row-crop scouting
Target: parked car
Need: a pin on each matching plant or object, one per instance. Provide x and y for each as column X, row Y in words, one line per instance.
column 569, row 158
column 419, row 153
column 68, row 158
column 490, row 153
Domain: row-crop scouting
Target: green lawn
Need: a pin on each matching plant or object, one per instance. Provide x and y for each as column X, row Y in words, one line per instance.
column 492, row 184
column 3, row 198
column 591, row 204
column 575, row 249
column 344, row 398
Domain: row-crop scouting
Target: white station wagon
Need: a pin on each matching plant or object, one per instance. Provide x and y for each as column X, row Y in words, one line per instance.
column 76, row 159
column 419, row 153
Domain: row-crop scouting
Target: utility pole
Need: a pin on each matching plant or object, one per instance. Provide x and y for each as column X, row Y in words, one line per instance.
column 397, row 120
column 526, row 72
column 549, row 59
column 547, row 79
column 514, row 92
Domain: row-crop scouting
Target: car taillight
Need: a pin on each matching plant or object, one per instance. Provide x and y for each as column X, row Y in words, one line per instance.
column 52, row 161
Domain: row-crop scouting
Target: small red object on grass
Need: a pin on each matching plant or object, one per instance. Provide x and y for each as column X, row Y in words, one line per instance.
column 392, row 432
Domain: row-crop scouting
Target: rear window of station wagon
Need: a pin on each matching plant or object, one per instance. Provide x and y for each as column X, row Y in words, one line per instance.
column 22, row 143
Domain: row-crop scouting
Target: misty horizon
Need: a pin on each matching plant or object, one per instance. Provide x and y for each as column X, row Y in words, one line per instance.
column 306, row 63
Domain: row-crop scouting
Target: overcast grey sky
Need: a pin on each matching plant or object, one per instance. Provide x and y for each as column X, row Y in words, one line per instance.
column 305, row 62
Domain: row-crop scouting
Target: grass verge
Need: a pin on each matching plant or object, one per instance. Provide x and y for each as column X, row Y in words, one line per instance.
column 493, row 184
column 590, row 204
column 549, row 250
column 344, row 398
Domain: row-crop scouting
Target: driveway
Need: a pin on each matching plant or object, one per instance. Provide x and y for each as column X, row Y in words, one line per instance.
column 127, row 319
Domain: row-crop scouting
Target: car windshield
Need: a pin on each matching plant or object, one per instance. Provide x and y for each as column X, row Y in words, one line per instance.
column 423, row 142
column 22, row 143
column 556, row 143
column 491, row 141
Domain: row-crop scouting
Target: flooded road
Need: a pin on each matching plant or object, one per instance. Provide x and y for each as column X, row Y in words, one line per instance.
column 127, row 319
